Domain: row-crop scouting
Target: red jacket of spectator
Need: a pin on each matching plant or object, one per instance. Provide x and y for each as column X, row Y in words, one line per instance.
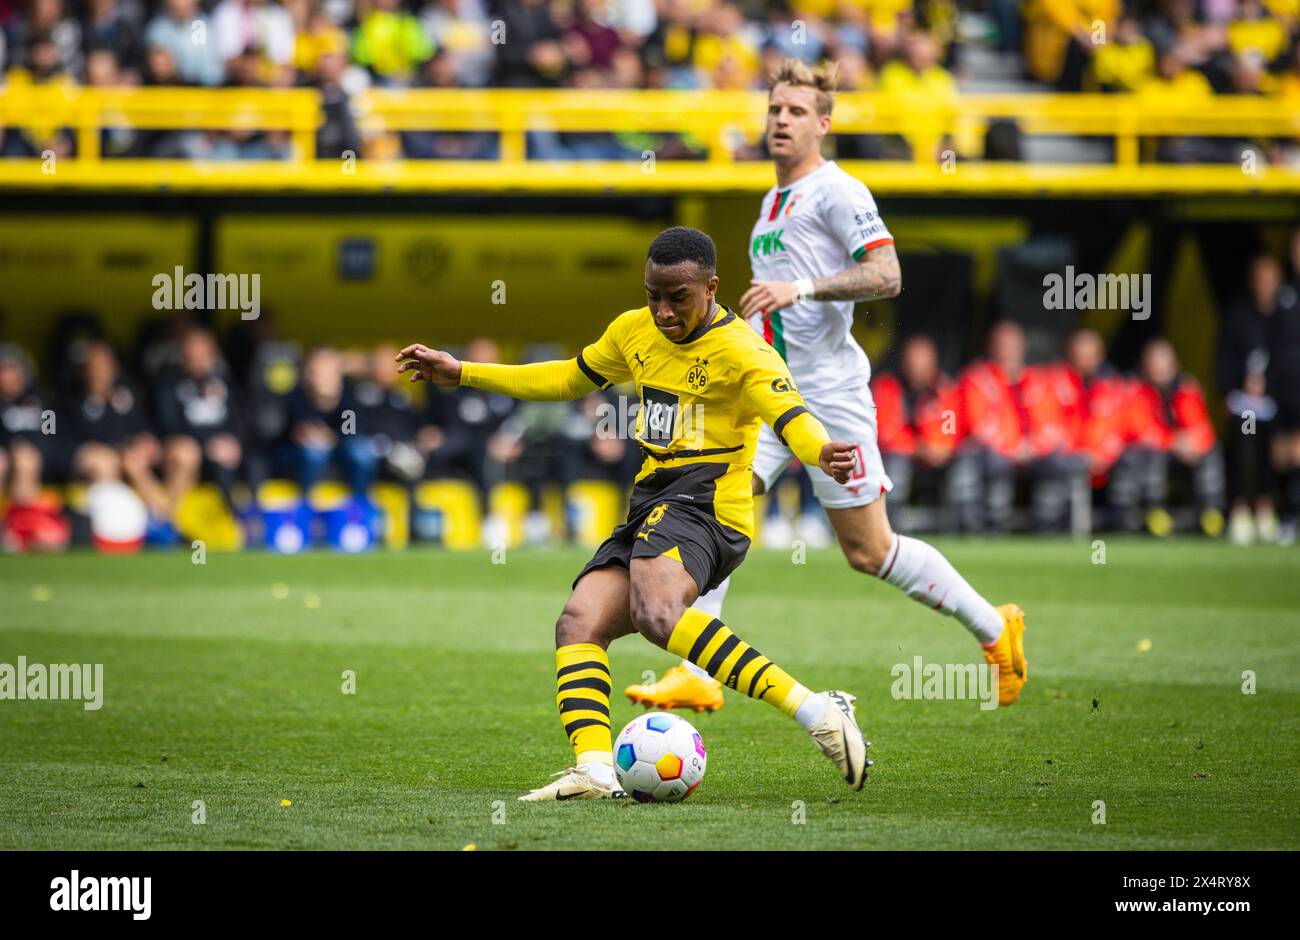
column 903, row 421
column 1101, row 414
column 1156, row 418
column 1012, row 417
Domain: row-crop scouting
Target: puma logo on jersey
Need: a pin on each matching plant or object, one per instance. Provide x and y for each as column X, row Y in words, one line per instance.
column 639, row 361
column 767, row 243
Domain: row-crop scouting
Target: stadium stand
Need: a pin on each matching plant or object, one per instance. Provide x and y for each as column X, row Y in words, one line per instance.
column 1141, row 442
column 507, row 83
column 211, row 422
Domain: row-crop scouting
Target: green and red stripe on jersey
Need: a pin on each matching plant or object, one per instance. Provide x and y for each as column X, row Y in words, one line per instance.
column 774, row 332
column 857, row 255
column 778, row 204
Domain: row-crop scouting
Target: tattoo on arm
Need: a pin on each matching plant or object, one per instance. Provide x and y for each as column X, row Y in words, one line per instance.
column 877, row 275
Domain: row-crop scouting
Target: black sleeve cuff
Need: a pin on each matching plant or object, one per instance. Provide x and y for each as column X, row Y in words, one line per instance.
column 597, row 379
column 786, row 418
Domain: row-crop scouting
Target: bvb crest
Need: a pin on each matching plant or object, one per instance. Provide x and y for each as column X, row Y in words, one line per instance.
column 697, row 377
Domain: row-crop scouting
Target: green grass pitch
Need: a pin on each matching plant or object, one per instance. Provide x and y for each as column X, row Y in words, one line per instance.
column 217, row 690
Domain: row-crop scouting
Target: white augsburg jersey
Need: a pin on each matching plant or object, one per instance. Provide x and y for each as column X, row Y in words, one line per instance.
column 816, row 227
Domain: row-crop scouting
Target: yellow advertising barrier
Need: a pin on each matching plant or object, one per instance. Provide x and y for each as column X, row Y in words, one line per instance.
column 52, row 265
column 439, row 279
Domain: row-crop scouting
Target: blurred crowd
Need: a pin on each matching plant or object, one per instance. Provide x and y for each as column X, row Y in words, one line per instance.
column 189, row 408
column 1003, row 442
column 1175, row 50
column 1078, row 426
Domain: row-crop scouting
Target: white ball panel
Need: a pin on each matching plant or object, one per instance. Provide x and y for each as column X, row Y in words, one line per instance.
column 650, row 746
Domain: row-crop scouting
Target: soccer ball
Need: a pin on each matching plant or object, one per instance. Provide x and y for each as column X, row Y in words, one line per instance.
column 659, row 758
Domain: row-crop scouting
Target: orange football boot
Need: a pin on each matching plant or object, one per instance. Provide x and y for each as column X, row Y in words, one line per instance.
column 1008, row 654
column 679, row 688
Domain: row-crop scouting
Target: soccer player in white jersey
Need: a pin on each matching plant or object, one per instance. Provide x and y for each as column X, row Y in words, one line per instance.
column 820, row 246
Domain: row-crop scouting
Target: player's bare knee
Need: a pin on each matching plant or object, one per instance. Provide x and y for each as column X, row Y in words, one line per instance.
column 654, row 617
column 868, row 557
column 572, row 627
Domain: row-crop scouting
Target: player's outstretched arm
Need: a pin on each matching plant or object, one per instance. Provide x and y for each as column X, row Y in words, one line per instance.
column 561, row 380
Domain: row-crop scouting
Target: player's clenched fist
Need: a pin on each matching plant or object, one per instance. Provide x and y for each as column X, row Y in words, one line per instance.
column 429, row 365
column 838, row 460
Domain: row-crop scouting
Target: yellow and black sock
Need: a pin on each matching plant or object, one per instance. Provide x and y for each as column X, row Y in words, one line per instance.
column 706, row 641
column 582, row 683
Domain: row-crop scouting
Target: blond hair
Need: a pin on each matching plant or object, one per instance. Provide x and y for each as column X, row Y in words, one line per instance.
column 821, row 79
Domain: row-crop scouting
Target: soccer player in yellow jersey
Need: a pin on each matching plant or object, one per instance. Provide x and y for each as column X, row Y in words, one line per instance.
column 707, row 383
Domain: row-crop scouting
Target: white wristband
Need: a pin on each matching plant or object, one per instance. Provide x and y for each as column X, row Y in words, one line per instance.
column 804, row 289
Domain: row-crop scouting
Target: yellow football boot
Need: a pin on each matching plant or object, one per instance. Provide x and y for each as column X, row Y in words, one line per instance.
column 1008, row 654
column 679, row 688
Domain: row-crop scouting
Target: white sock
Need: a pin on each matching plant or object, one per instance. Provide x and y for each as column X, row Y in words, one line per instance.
column 919, row 571
column 696, row 670
column 810, row 711
column 711, row 604
column 600, row 766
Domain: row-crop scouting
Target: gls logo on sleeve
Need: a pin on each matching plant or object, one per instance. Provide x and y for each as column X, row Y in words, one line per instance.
column 658, row 418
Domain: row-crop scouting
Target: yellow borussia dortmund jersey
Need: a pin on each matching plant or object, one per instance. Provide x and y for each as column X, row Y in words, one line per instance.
column 703, row 399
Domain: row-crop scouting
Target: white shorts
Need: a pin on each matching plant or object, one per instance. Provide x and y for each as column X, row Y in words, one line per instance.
column 849, row 415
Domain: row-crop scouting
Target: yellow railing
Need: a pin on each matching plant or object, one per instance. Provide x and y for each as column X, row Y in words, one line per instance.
column 716, row 122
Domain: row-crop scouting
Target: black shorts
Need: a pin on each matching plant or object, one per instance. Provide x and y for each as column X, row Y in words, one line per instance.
column 672, row 510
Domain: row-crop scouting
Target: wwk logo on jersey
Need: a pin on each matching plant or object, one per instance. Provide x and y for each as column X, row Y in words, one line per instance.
column 767, row 243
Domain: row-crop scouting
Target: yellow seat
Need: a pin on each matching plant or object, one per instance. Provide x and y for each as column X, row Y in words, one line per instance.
column 394, row 502
column 328, row 495
column 204, row 515
column 597, row 507
column 509, row 502
column 278, row 494
column 74, row 496
column 457, row 501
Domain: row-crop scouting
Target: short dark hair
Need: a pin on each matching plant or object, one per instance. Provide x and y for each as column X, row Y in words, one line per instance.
column 679, row 244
